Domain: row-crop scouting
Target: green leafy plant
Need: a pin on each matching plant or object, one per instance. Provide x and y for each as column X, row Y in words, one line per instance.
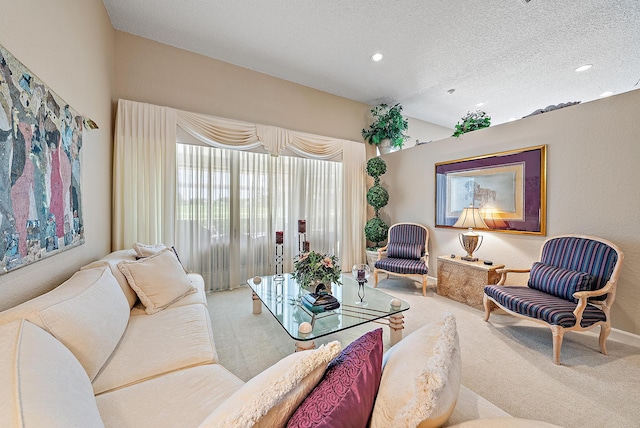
column 377, row 197
column 375, row 230
column 472, row 121
column 314, row 266
column 388, row 123
column 376, row 167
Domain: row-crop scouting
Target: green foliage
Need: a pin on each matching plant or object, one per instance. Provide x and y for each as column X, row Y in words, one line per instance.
column 376, row 230
column 472, row 121
column 312, row 266
column 388, row 123
column 376, row 167
column 377, row 197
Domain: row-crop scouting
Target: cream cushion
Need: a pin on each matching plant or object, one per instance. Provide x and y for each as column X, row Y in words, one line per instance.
column 43, row 384
column 87, row 313
column 420, row 378
column 182, row 398
column 200, row 296
column 146, row 250
column 158, row 280
column 156, row 344
column 112, row 261
column 270, row 398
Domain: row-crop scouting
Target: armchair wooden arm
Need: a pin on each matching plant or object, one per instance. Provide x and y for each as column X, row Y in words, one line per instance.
column 503, row 273
column 382, row 250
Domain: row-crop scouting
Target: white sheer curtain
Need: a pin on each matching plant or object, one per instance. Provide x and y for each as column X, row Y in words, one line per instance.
column 231, row 202
column 144, row 175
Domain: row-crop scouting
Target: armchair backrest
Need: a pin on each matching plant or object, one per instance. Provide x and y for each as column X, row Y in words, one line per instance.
column 407, row 240
column 594, row 256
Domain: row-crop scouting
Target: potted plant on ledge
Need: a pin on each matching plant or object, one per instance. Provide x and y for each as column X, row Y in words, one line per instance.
column 388, row 128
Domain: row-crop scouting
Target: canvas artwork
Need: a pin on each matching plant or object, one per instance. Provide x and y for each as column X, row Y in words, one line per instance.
column 40, row 169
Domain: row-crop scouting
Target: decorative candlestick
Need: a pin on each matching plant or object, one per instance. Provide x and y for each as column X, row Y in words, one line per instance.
column 361, row 272
column 279, row 255
column 303, row 244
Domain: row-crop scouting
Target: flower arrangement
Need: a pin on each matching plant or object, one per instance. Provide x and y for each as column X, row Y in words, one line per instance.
column 472, row 121
column 312, row 266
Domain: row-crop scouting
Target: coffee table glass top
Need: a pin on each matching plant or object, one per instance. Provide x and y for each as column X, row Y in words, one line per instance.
column 282, row 298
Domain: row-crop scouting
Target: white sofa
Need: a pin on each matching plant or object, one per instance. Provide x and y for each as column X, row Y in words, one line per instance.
column 89, row 354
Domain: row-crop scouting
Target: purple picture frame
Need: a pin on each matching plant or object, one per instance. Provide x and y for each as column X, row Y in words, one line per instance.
column 509, row 188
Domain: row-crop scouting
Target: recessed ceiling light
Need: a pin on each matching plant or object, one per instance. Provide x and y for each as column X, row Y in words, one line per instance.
column 376, row 57
column 479, row 104
column 584, row 67
column 606, row 94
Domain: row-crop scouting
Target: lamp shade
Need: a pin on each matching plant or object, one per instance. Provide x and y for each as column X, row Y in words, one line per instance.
column 470, row 218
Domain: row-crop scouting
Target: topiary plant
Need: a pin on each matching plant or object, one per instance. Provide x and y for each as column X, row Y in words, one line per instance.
column 377, row 196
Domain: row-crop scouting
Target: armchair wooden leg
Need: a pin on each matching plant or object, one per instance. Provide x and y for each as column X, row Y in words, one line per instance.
column 605, row 329
column 424, row 285
column 488, row 306
column 375, row 277
column 558, row 333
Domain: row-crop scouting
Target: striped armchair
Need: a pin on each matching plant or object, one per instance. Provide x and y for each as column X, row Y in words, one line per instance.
column 406, row 253
column 572, row 288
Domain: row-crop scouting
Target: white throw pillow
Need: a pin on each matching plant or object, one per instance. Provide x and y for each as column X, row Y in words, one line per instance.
column 269, row 399
column 146, row 250
column 43, row 384
column 87, row 313
column 158, row 280
column 420, row 378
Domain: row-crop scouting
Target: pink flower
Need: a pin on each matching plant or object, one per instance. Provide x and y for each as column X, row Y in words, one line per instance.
column 327, row 262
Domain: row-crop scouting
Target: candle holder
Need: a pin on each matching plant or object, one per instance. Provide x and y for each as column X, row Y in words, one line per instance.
column 303, row 244
column 279, row 255
column 361, row 272
column 279, row 260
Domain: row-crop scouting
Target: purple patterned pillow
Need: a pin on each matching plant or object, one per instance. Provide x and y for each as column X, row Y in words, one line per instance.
column 405, row 251
column 558, row 281
column 345, row 395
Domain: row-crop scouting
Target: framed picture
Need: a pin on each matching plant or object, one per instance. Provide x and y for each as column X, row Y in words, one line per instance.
column 508, row 188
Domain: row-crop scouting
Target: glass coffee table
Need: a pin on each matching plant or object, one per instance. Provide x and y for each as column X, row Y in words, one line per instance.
column 281, row 296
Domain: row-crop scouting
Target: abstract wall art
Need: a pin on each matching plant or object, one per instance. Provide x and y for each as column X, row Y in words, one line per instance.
column 40, row 169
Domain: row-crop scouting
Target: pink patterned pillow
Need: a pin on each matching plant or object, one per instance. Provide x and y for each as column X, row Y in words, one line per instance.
column 345, row 395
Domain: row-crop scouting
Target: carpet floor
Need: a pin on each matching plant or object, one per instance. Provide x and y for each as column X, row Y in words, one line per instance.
column 507, row 361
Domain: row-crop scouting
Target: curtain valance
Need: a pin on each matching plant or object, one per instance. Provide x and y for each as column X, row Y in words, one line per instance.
column 234, row 134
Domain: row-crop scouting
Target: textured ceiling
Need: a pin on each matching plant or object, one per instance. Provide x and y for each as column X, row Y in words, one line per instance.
column 514, row 57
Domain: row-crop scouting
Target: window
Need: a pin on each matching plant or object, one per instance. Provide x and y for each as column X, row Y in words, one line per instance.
column 230, row 203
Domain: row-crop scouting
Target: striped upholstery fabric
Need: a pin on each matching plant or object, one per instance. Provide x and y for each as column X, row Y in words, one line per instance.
column 558, row 281
column 407, row 234
column 403, row 266
column 405, row 251
column 583, row 255
column 538, row 304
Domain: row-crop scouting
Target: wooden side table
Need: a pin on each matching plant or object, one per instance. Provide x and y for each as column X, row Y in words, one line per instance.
column 464, row 281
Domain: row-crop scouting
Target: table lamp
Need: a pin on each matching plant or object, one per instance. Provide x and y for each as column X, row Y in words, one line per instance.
column 470, row 241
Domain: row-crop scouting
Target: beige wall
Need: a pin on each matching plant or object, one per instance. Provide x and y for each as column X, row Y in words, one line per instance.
column 68, row 44
column 592, row 180
column 152, row 72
